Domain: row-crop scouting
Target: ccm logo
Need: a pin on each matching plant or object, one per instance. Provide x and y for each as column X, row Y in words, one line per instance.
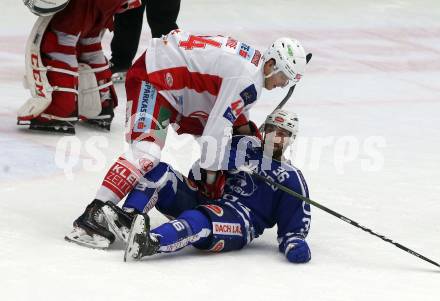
column 37, row 75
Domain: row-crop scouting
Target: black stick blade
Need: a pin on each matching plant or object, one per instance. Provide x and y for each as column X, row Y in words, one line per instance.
column 308, row 57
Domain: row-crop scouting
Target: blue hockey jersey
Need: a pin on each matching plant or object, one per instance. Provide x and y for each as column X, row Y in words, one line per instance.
column 268, row 206
column 265, row 205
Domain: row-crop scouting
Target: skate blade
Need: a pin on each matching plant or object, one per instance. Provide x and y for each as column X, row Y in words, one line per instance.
column 110, row 216
column 80, row 237
column 97, row 123
column 62, row 129
column 132, row 249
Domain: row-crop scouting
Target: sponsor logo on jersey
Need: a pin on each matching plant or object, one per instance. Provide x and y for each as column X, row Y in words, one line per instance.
column 241, row 184
column 226, row 229
column 249, row 53
column 231, row 43
column 245, row 51
column 169, row 79
column 214, row 208
column 229, row 115
column 145, row 109
column 249, row 95
column 237, row 107
column 256, row 58
column 121, row 179
column 145, row 164
column 220, row 245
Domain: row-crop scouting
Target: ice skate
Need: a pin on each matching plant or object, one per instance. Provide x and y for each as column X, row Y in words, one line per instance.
column 118, row 220
column 90, row 229
column 83, row 238
column 140, row 242
column 104, row 119
column 54, row 126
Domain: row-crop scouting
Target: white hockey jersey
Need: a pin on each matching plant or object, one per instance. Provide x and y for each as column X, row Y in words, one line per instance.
column 215, row 78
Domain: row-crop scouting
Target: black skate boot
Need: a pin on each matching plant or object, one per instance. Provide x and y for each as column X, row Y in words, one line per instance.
column 140, row 242
column 90, row 229
column 104, row 119
column 54, row 126
column 119, row 220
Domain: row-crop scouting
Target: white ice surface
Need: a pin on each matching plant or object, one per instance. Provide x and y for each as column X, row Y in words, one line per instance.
column 375, row 72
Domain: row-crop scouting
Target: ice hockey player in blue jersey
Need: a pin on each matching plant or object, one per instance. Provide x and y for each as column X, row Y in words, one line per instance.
column 247, row 207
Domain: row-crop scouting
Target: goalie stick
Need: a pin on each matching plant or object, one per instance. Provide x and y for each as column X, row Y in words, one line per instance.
column 338, row 215
column 289, row 93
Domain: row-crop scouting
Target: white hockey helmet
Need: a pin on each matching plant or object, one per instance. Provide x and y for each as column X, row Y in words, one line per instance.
column 285, row 120
column 289, row 56
column 45, row 7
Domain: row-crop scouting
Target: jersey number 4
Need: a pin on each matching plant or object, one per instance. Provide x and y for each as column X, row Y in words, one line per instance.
column 198, row 42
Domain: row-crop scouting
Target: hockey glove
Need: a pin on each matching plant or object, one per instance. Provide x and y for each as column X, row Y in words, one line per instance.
column 212, row 184
column 298, row 251
column 250, row 130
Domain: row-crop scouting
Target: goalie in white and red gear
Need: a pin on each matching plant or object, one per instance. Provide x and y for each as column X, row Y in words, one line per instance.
column 66, row 70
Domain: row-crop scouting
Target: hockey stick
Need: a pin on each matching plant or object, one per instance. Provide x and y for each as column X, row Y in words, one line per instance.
column 340, row 216
column 289, row 93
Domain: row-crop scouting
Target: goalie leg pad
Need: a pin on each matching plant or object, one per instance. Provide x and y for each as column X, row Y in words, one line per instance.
column 35, row 78
column 44, row 77
column 89, row 99
column 97, row 96
column 32, row 108
column 91, row 54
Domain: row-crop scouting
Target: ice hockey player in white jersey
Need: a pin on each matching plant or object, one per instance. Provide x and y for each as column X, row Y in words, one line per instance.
column 203, row 85
column 241, row 214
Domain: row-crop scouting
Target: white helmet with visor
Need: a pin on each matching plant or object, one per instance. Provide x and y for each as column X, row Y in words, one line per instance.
column 290, row 59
